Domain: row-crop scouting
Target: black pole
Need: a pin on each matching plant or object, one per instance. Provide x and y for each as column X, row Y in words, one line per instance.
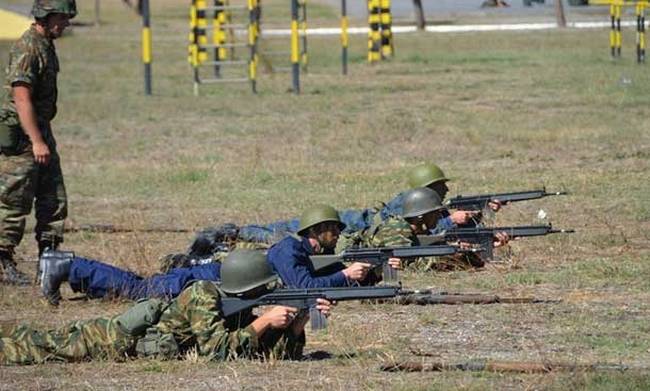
column 97, row 21
column 146, row 46
column 344, row 37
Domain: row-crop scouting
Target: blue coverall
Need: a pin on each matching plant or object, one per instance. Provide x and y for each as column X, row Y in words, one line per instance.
column 97, row 279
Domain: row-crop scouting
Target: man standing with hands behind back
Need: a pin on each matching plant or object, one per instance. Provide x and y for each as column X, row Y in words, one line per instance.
column 30, row 171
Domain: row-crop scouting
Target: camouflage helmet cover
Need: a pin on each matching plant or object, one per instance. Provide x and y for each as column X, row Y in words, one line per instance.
column 318, row 214
column 426, row 174
column 42, row 8
column 243, row 270
column 420, row 201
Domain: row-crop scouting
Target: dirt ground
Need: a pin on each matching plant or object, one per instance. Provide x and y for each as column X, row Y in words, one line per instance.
column 497, row 111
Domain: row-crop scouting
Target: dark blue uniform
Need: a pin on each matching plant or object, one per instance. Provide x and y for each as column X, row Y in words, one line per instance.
column 97, row 279
column 290, row 259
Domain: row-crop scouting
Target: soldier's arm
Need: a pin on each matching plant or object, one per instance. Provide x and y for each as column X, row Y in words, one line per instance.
column 25, row 69
column 22, row 93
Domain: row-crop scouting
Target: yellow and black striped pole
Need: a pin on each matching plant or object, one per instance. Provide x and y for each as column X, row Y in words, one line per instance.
column 386, row 32
column 201, row 27
column 295, row 48
column 146, row 46
column 344, row 37
column 619, row 36
column 640, row 30
column 218, row 34
column 303, row 34
column 374, row 35
column 253, row 33
column 612, row 31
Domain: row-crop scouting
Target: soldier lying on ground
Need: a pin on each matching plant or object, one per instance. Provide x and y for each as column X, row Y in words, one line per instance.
column 319, row 230
column 191, row 321
column 425, row 175
column 318, row 233
column 422, row 211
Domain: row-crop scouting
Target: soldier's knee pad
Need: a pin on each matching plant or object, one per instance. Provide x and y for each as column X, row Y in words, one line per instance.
column 141, row 316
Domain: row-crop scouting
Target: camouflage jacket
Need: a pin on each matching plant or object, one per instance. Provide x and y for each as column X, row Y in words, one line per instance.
column 192, row 320
column 395, row 231
column 32, row 60
column 195, row 320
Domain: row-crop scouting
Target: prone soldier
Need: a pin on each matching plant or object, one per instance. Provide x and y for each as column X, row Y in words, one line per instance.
column 424, row 175
column 166, row 330
column 421, row 213
column 318, row 233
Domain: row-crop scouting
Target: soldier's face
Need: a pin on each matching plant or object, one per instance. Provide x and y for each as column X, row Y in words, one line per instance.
column 440, row 188
column 430, row 219
column 328, row 234
column 55, row 24
column 423, row 224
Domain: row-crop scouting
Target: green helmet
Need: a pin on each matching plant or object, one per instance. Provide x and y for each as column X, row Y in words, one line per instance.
column 318, row 214
column 420, row 201
column 42, row 8
column 243, row 270
column 426, row 174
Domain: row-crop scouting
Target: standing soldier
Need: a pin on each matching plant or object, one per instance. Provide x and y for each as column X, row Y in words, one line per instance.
column 30, row 171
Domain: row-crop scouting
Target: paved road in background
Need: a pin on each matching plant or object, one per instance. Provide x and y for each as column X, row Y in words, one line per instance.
column 451, row 9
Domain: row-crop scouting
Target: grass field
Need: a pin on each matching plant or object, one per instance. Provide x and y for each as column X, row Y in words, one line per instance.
column 498, row 112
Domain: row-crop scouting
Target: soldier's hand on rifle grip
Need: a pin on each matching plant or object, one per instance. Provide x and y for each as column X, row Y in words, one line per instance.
column 279, row 317
column 395, row 263
column 324, row 306
column 357, row 271
column 495, row 205
column 501, row 239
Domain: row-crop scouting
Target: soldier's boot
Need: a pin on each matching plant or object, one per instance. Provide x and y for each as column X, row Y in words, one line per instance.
column 43, row 246
column 55, row 269
column 11, row 274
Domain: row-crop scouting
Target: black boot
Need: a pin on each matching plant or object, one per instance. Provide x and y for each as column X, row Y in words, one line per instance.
column 55, row 269
column 44, row 245
column 11, row 274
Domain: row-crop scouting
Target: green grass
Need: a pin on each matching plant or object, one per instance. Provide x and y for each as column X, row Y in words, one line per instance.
column 498, row 111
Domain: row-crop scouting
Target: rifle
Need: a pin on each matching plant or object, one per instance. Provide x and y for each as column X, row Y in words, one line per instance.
column 501, row 366
column 479, row 202
column 408, row 298
column 432, row 296
column 304, row 299
column 379, row 256
column 484, row 236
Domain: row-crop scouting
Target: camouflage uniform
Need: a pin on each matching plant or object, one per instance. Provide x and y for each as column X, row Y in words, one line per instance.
column 395, row 231
column 33, row 61
column 192, row 320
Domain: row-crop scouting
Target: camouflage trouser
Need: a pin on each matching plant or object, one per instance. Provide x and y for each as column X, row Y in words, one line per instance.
column 83, row 340
column 23, row 182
